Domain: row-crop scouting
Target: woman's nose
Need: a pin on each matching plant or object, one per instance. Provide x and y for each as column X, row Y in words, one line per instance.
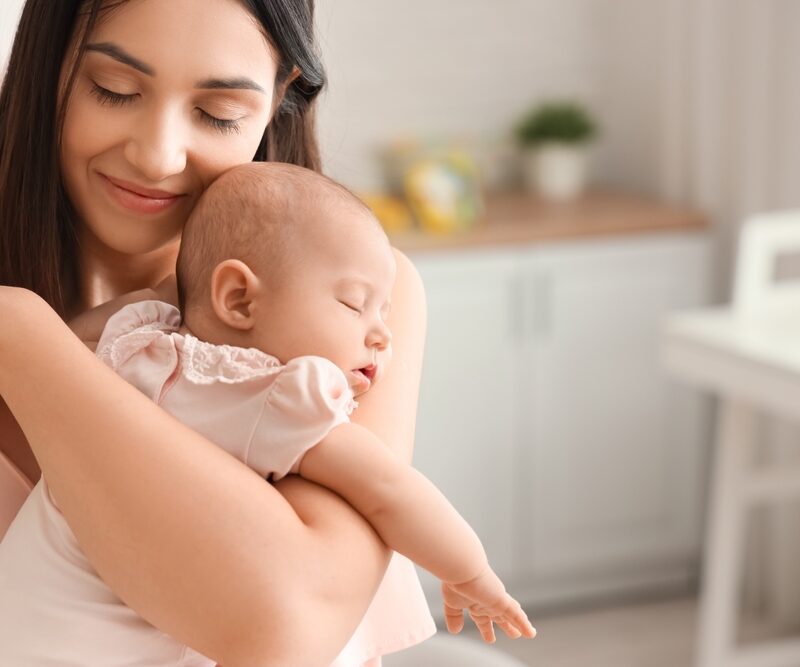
column 379, row 336
column 156, row 147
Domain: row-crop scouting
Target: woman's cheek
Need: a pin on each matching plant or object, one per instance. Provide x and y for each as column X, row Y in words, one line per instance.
column 215, row 152
column 88, row 133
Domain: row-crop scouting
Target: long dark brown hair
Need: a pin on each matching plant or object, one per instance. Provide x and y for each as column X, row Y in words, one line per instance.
column 38, row 241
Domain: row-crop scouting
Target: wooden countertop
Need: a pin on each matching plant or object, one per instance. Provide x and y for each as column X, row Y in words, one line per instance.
column 521, row 218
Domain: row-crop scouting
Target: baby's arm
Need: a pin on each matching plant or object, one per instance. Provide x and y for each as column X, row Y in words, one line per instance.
column 413, row 517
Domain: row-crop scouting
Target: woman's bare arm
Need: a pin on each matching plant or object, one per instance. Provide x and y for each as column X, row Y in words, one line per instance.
column 187, row 535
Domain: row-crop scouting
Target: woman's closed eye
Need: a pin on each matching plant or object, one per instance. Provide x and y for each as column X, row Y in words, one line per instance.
column 106, row 96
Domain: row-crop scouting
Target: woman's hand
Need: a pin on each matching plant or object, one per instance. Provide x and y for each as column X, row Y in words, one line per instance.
column 167, row 290
column 89, row 325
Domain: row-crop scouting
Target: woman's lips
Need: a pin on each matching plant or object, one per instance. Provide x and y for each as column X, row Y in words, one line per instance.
column 138, row 199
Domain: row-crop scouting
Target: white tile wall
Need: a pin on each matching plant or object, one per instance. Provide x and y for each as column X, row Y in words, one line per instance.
column 470, row 67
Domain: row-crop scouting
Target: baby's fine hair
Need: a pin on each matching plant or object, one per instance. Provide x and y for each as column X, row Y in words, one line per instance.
column 258, row 213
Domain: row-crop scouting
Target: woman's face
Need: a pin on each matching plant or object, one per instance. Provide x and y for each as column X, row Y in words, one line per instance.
column 169, row 95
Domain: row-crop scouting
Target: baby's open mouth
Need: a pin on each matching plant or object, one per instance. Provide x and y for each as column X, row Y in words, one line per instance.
column 368, row 372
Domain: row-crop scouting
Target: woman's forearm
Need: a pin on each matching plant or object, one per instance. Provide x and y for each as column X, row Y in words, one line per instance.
column 185, row 534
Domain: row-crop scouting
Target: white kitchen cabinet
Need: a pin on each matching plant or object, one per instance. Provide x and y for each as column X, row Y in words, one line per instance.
column 612, row 447
column 466, row 421
column 545, row 419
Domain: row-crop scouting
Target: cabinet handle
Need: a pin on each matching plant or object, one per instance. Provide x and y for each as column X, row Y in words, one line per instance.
column 516, row 308
column 541, row 305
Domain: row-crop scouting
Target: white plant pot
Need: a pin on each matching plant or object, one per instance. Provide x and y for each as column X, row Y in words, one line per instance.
column 556, row 170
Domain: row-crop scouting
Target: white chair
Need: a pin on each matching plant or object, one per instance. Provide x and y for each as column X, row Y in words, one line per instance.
column 749, row 354
column 444, row 650
column 762, row 240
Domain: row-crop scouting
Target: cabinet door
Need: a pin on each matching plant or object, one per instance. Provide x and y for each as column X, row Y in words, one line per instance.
column 613, row 447
column 466, row 422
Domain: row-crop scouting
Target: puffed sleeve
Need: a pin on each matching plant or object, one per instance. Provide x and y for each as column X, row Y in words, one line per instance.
column 136, row 344
column 306, row 401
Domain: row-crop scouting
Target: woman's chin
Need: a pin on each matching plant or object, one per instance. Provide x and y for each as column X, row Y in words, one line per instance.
column 120, row 241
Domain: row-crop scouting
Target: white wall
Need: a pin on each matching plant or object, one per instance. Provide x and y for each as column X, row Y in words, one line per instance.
column 471, row 67
column 9, row 16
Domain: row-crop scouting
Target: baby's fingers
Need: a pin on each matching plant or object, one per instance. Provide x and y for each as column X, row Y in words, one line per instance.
column 484, row 625
column 511, row 612
column 509, row 628
column 454, row 618
column 519, row 619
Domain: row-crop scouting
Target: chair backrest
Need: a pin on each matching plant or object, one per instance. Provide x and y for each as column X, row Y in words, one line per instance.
column 763, row 240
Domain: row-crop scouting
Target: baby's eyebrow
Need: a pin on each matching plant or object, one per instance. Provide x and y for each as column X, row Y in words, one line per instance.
column 350, row 281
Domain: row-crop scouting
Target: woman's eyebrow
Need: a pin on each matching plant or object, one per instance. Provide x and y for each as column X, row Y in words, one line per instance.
column 118, row 54
column 235, row 83
column 122, row 56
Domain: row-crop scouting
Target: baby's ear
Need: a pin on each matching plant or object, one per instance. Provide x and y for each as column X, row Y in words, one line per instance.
column 233, row 290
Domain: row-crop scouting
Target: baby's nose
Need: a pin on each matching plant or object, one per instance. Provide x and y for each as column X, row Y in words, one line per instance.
column 379, row 336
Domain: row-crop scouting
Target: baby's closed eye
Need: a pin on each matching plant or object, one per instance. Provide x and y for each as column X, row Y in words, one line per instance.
column 350, row 305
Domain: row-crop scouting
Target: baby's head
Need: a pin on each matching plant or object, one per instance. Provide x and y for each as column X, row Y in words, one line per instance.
column 283, row 259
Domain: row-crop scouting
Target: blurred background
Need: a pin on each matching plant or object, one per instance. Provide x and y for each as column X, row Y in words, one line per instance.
column 546, row 412
column 567, row 175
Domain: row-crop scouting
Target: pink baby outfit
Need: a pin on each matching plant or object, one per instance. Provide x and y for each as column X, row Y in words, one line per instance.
column 55, row 611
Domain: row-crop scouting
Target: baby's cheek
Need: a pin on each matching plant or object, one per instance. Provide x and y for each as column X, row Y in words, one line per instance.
column 384, row 360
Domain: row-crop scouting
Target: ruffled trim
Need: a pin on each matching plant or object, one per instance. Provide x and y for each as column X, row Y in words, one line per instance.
column 206, row 363
column 134, row 327
column 351, row 404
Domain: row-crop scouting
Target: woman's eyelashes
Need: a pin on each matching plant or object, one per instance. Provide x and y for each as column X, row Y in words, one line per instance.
column 221, row 124
column 109, row 97
column 105, row 96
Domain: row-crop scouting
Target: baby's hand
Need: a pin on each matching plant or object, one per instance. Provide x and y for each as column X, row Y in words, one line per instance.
column 486, row 601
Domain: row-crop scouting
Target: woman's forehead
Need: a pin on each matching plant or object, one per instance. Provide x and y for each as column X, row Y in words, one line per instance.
column 193, row 40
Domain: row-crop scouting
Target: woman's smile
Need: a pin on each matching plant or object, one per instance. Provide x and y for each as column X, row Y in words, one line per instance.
column 137, row 198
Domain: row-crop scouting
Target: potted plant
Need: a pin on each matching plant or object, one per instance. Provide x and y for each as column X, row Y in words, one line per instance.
column 555, row 137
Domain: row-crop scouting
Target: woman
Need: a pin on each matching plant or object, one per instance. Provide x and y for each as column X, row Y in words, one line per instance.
column 113, row 119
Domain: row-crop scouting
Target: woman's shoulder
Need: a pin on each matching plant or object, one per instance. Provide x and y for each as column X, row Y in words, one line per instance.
column 408, row 283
